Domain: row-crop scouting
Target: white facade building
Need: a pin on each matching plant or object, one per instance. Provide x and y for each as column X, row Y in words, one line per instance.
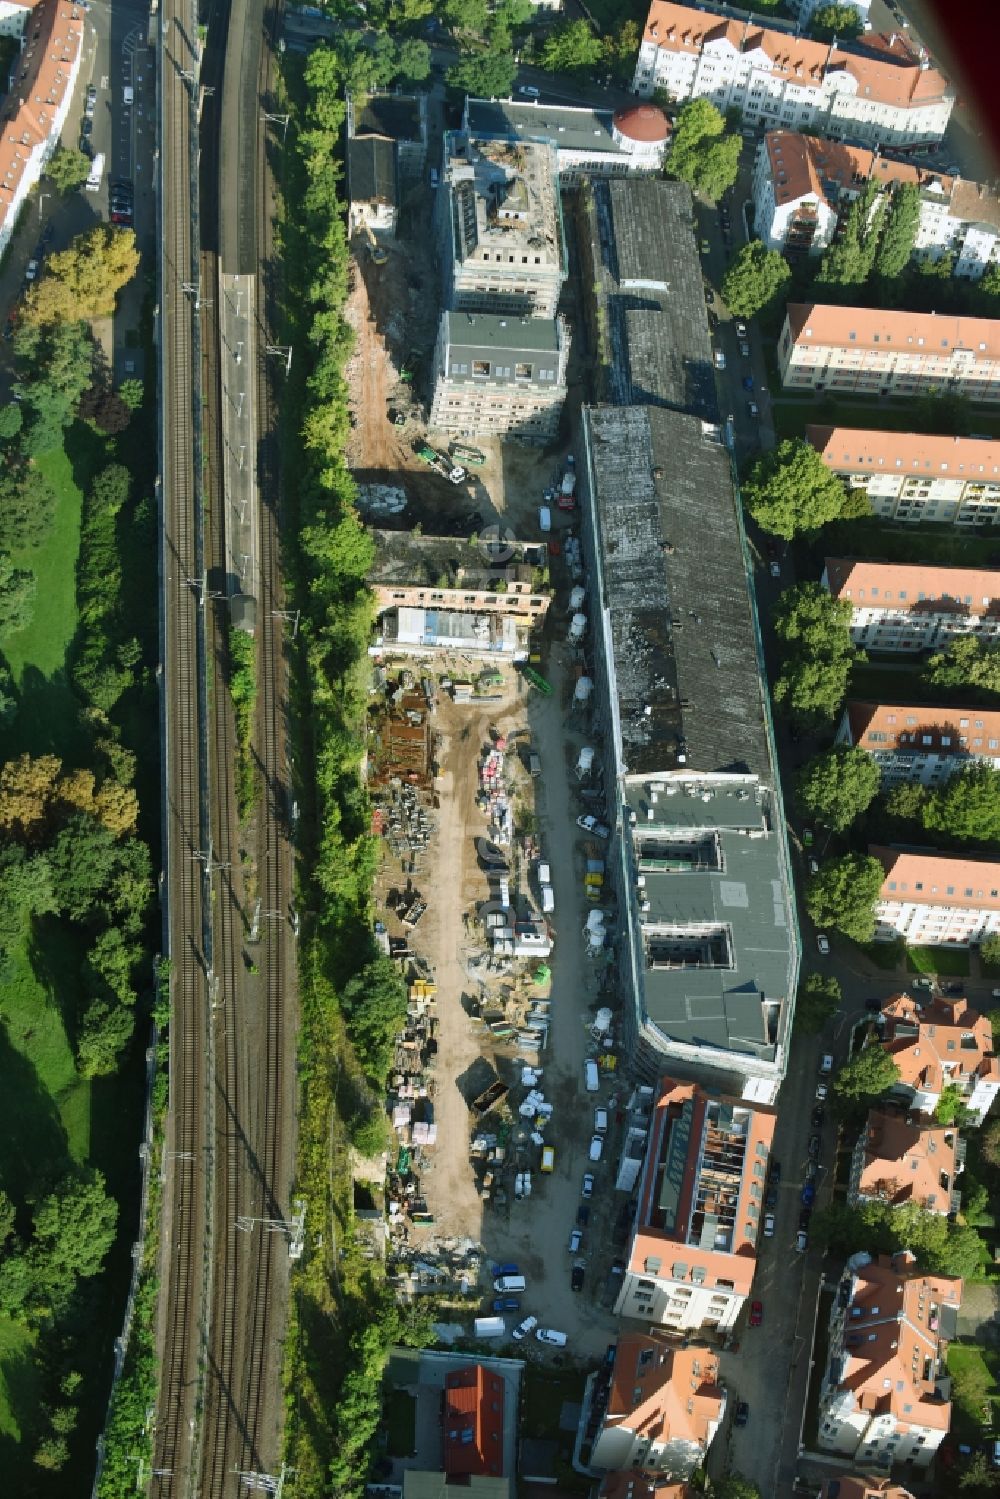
column 913, row 477
column 919, row 745
column 881, row 90
column 907, row 607
column 588, row 142
column 930, row 900
column 884, row 1396
column 944, row 1044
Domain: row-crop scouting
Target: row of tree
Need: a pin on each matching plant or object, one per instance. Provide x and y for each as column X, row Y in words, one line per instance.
column 703, row 152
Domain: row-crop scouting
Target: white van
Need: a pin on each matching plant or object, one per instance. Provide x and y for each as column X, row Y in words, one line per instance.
column 592, row 1077
column 544, row 873
column 128, row 97
column 600, row 1121
column 506, row 1285
column 548, row 899
column 544, row 519
column 596, row 1147
column 490, row 1327
column 551, row 1336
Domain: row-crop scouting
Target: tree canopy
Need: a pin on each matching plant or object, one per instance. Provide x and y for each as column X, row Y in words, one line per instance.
column 835, row 21
column 835, row 787
column 941, row 1248
column 843, row 893
column 82, row 282
column 868, row 1075
column 848, row 262
column 67, row 169
column 814, row 630
column 702, row 154
column 754, row 281
column 571, row 48
column 790, row 489
column 966, row 662
column 17, row 597
column 374, row 1006
column 899, row 231
column 489, row 75
column 817, row 1001
column 966, row 807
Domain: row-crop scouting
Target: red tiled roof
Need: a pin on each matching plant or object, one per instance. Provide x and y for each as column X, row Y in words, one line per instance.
column 912, row 730
column 43, row 74
column 862, row 450
column 912, row 587
column 822, row 325
column 934, row 880
column 473, row 1422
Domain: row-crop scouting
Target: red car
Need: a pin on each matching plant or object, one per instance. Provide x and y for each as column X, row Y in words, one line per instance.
column 756, row 1313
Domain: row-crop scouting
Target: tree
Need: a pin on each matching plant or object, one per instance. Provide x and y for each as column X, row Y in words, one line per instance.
column 899, row 232
column 868, row 1075
column 11, row 421
column 808, row 617
column 82, row 282
column 977, row 1474
column 67, row 170
column 843, row 893
column 951, row 1108
column 735, row 1486
column 904, row 805
column 989, row 950
column 790, row 489
column 814, row 628
column 58, row 362
column 989, row 1135
column 837, row 786
column 717, row 168
column 487, row 75
column 17, row 597
column 835, row 21
column 27, row 508
column 945, row 412
column 414, row 60
column 571, row 48
column 848, row 261
column 966, row 662
column 754, row 281
column 374, row 1007
column 466, row 15
column 75, row 1224
column 104, row 1034
column 701, row 154
column 133, row 392
column 967, row 806
column 818, row 1000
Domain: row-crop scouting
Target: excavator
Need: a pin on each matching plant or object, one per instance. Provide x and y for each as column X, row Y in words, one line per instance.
column 378, row 255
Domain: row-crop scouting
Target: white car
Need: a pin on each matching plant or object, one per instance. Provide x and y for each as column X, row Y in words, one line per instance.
column 587, row 1190
column 31, row 272
column 589, row 823
column 551, row 1336
column 768, row 1225
column 523, row 1328
column 801, row 1242
column 596, row 1147
column 528, row 90
column 575, row 1240
column 600, row 1121
column 823, row 945
column 821, row 1092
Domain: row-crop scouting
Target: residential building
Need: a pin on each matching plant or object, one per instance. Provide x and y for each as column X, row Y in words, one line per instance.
column 644, row 296
column 700, row 1215
column 587, row 142
column 706, row 946
column 884, row 1395
column 504, row 248
column 922, row 745
column 862, row 1486
column 386, row 152
column 804, row 184
column 897, row 1160
column 929, row 899
column 962, row 219
column 909, row 607
column 882, row 89
column 943, row 1044
column 664, row 1406
column 473, row 1422
column 499, row 375
column 909, row 476
column 33, row 113
column 872, row 351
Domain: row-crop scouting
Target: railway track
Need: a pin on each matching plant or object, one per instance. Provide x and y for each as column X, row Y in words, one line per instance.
column 186, row 1159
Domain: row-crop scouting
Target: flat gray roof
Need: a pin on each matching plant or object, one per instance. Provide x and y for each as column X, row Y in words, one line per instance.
column 649, row 278
column 744, row 896
column 675, row 586
column 514, row 335
column 571, row 129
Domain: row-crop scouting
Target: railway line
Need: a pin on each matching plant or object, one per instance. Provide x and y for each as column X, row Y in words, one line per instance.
column 226, row 1248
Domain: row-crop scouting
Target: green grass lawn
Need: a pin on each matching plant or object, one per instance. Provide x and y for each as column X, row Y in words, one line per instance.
column 953, row 961
column 792, row 414
column 20, row 1382
column 896, row 542
column 977, row 1365
column 399, row 1416
column 48, row 709
column 903, row 685
column 885, row 955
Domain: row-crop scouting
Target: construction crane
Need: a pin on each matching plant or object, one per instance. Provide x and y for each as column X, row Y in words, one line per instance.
column 378, row 255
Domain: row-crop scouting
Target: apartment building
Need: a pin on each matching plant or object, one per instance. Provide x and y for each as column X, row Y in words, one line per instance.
column 909, row 476
column 659, row 1410
column 921, row 745
column 943, row 1044
column 472, row 1418
column 33, row 113
column 929, row 899
column 881, row 89
column 897, row 1160
column 872, row 351
column 862, row 1486
column 707, row 946
column 959, row 218
column 588, row 142
column 499, row 375
column 909, row 607
column 884, row 1395
column 501, row 231
column 386, row 153
column 700, row 1215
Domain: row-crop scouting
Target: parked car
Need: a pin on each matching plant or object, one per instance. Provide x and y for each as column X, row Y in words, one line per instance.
column 801, row 1241
column 741, row 329
column 771, row 1196
column 596, row 1147
column 753, row 412
column 815, row 1145
column 768, row 1225
column 575, row 1240
column 600, row 1121
column 744, row 349
column 817, row 1116
column 705, row 247
column 823, row 944
column 756, row 1313
column 808, row 1194
column 523, row 1328
column 550, row 1336
column 583, row 1214
column 774, row 1170
column 821, row 1092
column 589, row 823
column 506, row 1304
column 826, row 1064
column 576, row 1276
column 31, row 270
column 587, row 1187
column 804, row 1218
column 811, row 1171
column 591, row 1075
column 747, row 382
column 742, row 1414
